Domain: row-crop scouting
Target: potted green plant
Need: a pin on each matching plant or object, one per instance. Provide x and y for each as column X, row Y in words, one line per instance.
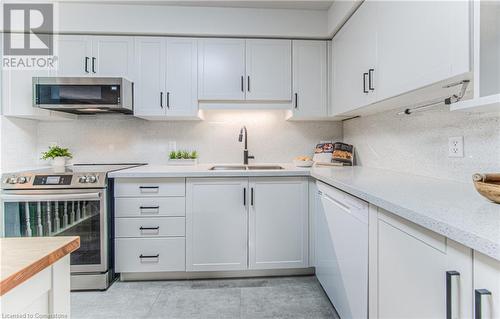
column 58, row 155
column 183, row 157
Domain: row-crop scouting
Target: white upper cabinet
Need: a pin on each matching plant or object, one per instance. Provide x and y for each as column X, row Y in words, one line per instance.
column 113, row 56
column 83, row 55
column 149, row 87
column 278, row 223
column 390, row 48
column 181, row 76
column 74, row 56
column 166, row 78
column 221, row 69
column 309, row 69
column 235, row 70
column 420, row 43
column 354, row 54
column 216, row 224
column 268, row 70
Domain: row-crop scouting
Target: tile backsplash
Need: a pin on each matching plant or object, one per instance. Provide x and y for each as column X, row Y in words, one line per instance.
column 418, row 144
column 118, row 138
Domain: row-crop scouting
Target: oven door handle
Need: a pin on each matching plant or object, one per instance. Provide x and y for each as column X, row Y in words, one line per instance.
column 49, row 197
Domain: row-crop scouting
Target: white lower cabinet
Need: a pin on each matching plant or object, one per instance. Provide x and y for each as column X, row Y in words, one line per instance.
column 278, row 223
column 216, row 224
column 486, row 287
column 420, row 274
column 241, row 223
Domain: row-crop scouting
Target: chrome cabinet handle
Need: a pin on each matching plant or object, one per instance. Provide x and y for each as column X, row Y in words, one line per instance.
column 449, row 275
column 149, row 189
column 370, row 79
column 93, row 64
column 478, row 294
column 87, row 64
column 364, row 82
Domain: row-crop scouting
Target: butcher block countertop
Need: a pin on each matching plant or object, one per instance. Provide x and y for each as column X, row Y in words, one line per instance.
column 22, row 258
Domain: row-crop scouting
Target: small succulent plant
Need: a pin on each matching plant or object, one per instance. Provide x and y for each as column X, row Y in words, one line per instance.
column 182, row 154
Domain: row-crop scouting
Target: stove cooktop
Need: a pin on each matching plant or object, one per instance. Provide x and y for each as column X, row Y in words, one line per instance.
column 67, row 177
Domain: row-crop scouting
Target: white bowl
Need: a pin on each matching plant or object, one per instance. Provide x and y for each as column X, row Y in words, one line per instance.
column 299, row 163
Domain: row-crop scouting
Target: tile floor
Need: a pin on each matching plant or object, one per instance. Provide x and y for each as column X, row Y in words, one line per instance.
column 279, row 297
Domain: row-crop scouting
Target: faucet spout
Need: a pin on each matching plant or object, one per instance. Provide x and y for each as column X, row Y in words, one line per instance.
column 244, row 135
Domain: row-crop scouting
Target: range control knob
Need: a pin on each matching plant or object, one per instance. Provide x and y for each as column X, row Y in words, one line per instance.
column 22, row 180
column 91, row 179
column 11, row 180
column 82, row 179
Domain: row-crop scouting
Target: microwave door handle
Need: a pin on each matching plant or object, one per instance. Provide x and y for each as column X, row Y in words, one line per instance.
column 49, row 197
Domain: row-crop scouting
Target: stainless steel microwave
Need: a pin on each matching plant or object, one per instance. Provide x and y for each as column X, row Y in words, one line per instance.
column 84, row 95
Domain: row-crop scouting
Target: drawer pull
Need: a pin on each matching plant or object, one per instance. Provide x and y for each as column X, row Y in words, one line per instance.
column 478, row 294
column 150, row 228
column 149, row 256
column 449, row 275
column 149, row 189
column 150, row 207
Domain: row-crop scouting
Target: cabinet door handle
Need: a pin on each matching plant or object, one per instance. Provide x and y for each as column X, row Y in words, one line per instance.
column 296, row 100
column 364, row 82
column 251, row 196
column 149, row 207
column 168, row 99
column 149, row 256
column 370, row 79
column 478, row 294
column 93, row 64
column 248, row 83
column 150, row 228
column 242, row 84
column 161, row 99
column 449, row 275
column 245, row 196
column 87, row 64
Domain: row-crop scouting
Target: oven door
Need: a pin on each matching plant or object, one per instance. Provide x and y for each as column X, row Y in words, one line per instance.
column 33, row 213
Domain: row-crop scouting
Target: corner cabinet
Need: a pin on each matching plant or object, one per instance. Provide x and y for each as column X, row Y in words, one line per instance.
column 387, row 50
column 166, row 78
column 241, row 223
column 309, row 74
column 236, row 70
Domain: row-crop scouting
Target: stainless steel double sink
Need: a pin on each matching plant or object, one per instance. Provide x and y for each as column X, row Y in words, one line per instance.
column 244, row 167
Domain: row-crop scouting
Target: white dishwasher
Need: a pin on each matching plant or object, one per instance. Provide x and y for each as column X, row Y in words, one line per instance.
column 342, row 250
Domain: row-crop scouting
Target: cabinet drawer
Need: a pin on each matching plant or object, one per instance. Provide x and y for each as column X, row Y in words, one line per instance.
column 150, row 227
column 150, row 206
column 150, row 254
column 135, row 187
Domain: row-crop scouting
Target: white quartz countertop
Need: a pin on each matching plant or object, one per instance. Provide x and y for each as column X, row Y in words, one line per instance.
column 449, row 208
column 203, row 170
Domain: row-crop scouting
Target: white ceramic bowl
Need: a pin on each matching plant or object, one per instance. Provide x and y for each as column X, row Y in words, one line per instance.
column 303, row 163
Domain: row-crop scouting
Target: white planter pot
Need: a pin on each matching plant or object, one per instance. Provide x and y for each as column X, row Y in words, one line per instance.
column 59, row 161
column 186, row 162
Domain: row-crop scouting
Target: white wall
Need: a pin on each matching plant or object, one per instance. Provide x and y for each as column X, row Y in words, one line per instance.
column 418, row 144
column 191, row 21
column 128, row 139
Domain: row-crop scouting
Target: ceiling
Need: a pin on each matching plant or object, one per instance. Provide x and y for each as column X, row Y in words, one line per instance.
column 264, row 4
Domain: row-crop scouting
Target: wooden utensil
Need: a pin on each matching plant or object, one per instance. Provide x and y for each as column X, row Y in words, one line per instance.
column 488, row 185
